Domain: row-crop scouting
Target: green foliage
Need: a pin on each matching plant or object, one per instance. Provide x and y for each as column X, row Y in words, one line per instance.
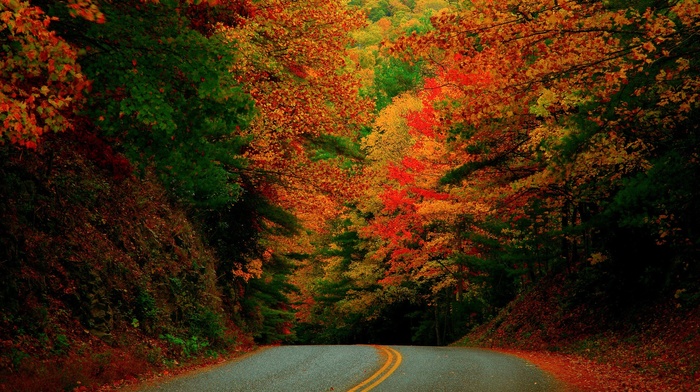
column 409, row 3
column 664, row 189
column 379, row 10
column 61, row 345
column 187, row 347
column 236, row 232
column 456, row 175
column 330, row 147
column 207, row 324
column 102, row 252
column 270, row 313
column 145, row 307
column 165, row 94
column 444, row 322
column 17, row 357
column 351, row 307
column 393, row 77
column 276, row 220
column 423, row 27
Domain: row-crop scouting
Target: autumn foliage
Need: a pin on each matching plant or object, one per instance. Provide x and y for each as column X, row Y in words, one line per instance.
column 557, row 107
column 366, row 171
column 42, row 83
column 228, row 110
column 538, row 142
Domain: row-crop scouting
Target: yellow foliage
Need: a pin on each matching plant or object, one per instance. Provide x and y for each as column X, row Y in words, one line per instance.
column 390, row 139
column 445, row 210
column 423, row 6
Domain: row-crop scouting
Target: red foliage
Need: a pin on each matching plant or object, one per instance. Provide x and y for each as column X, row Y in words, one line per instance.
column 204, row 16
column 40, row 79
column 467, row 79
column 433, row 89
column 400, row 175
column 413, row 164
column 585, row 375
column 423, row 122
column 396, row 229
column 399, row 252
column 429, row 194
column 297, row 70
column 396, row 200
column 95, row 149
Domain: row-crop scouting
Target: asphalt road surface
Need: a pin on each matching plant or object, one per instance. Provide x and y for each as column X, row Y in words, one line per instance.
column 364, row 368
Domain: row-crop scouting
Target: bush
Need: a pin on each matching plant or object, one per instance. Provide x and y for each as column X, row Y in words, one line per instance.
column 207, row 324
column 186, row 348
column 61, row 345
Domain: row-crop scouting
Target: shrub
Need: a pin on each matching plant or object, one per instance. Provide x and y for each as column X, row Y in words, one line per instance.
column 207, row 324
column 186, row 348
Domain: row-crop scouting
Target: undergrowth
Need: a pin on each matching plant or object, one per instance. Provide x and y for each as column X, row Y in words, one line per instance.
column 656, row 344
column 102, row 279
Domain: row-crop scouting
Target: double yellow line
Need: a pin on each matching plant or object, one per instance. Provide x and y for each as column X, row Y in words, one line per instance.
column 392, row 363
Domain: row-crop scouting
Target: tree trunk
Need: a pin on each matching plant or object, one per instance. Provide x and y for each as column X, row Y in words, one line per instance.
column 437, row 324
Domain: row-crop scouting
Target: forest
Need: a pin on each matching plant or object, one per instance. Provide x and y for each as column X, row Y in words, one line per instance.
column 183, row 180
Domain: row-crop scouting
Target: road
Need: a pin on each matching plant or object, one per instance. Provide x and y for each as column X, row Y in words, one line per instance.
column 364, row 368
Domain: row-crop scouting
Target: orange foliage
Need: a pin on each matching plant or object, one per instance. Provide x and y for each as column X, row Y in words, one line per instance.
column 514, row 80
column 292, row 61
column 41, row 84
column 407, row 201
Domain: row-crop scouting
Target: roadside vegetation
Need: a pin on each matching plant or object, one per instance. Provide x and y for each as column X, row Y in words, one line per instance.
column 652, row 346
column 182, row 180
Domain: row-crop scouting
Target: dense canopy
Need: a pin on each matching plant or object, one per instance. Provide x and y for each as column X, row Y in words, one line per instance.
column 372, row 170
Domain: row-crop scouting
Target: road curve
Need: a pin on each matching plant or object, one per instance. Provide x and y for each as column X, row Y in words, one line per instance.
column 457, row 369
column 365, row 368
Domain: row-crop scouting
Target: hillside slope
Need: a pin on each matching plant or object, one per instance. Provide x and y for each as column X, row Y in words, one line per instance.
column 101, row 278
column 653, row 346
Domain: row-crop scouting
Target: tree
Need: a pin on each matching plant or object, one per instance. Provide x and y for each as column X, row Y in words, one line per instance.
column 393, row 77
column 42, row 83
column 293, row 67
column 164, row 93
column 558, row 107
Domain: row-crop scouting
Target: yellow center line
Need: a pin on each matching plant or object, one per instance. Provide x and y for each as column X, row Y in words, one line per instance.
column 393, row 357
column 387, row 374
